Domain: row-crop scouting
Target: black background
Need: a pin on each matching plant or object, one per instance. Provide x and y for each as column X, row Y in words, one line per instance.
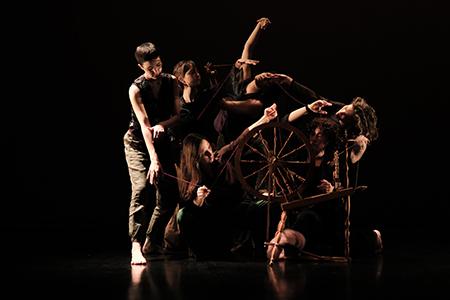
column 67, row 106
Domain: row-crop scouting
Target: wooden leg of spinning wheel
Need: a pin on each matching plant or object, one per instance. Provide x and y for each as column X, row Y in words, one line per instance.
column 280, row 228
column 347, row 227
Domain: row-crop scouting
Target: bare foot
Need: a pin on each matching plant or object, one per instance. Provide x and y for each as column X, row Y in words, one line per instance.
column 136, row 255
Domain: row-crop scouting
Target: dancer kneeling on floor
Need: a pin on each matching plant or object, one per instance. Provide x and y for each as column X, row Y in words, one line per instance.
column 214, row 204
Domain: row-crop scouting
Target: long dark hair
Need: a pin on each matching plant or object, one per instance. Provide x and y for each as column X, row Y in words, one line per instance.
column 364, row 120
column 332, row 132
column 189, row 169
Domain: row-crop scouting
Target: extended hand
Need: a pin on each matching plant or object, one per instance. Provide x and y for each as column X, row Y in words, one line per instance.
column 242, row 61
column 317, row 106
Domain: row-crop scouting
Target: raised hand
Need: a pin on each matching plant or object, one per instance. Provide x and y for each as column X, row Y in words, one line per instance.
column 263, row 22
column 271, row 112
column 202, row 193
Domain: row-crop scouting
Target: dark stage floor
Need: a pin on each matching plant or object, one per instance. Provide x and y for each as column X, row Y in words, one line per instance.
column 406, row 269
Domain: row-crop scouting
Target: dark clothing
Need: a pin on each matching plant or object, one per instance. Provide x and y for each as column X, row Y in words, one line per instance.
column 234, row 87
column 322, row 223
column 197, row 117
column 159, row 200
column 228, row 211
column 303, row 96
column 286, row 98
column 158, row 99
column 209, row 230
column 303, row 93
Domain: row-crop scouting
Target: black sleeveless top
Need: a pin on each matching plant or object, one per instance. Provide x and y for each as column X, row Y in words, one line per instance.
column 158, row 98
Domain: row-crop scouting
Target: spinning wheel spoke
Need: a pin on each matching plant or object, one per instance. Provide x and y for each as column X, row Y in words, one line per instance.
column 286, row 162
column 285, row 181
column 258, row 185
column 284, row 145
column 256, row 172
column 293, row 151
column 294, row 175
column 264, row 142
column 253, row 149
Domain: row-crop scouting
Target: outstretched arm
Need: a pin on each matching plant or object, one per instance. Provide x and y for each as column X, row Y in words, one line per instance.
column 244, row 62
column 315, row 107
column 270, row 113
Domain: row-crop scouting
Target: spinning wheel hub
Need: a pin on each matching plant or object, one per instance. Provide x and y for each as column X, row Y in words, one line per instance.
column 272, row 159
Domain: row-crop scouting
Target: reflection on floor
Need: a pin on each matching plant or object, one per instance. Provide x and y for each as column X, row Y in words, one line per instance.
column 404, row 270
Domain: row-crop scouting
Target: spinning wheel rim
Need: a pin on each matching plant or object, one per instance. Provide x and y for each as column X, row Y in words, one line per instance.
column 273, row 161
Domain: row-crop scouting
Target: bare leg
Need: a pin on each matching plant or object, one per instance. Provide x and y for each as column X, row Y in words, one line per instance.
column 137, row 258
column 136, row 274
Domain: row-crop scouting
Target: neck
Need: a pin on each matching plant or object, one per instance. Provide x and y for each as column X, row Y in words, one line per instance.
column 189, row 93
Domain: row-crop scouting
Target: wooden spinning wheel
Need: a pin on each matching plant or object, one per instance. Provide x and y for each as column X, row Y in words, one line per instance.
column 273, row 162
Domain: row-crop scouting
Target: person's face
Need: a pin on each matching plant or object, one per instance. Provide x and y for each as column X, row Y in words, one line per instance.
column 345, row 112
column 152, row 68
column 192, row 77
column 318, row 140
column 206, row 155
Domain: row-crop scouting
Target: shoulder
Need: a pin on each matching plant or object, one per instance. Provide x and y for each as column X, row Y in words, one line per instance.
column 138, row 81
column 134, row 89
